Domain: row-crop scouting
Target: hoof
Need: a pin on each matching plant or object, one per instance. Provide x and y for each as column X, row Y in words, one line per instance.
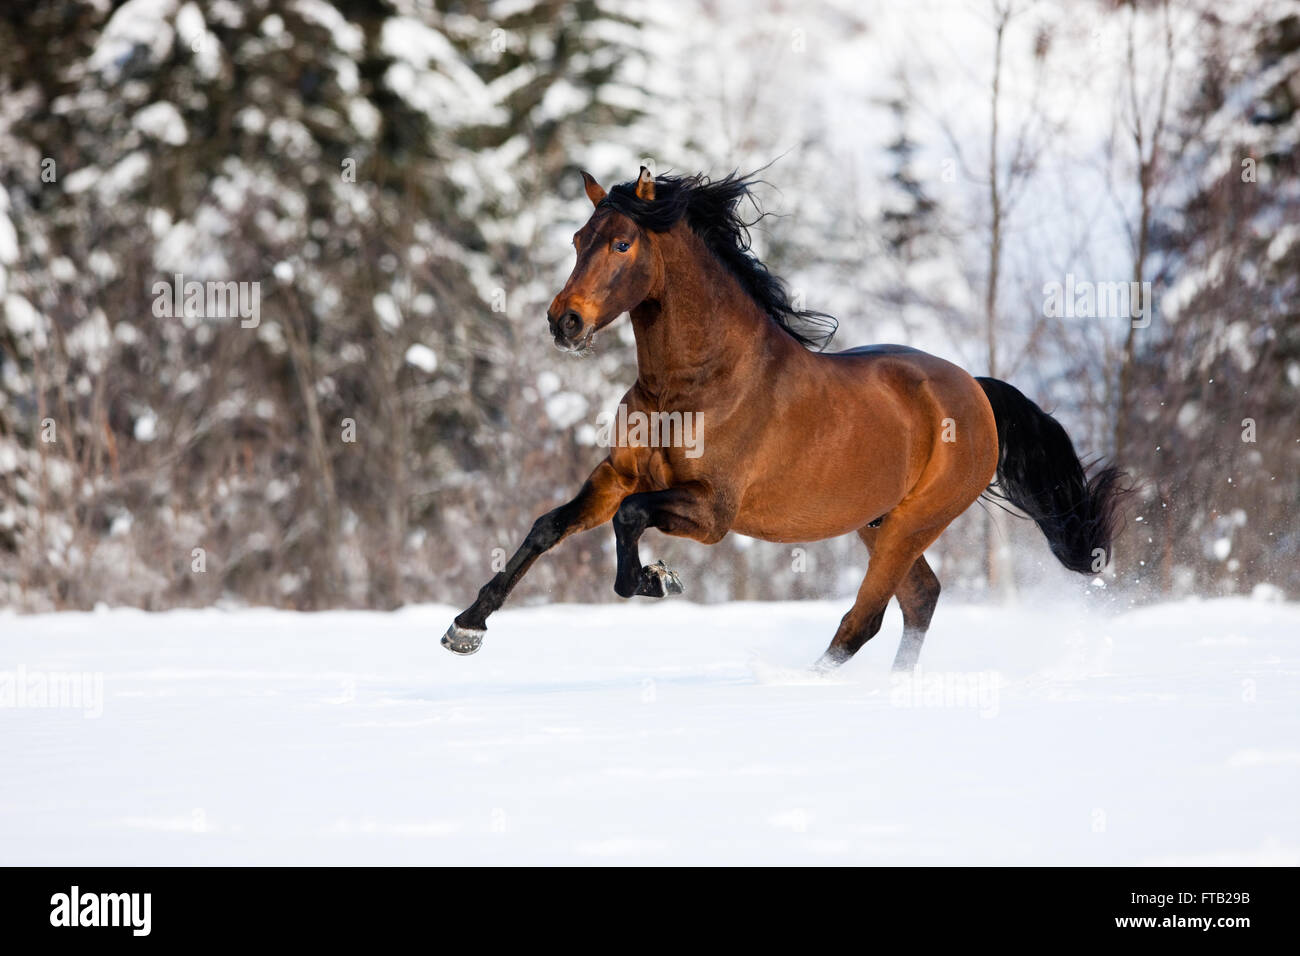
column 666, row 578
column 463, row 640
column 829, row 662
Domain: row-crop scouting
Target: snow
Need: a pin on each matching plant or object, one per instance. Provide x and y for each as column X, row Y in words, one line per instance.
column 146, row 426
column 661, row 733
column 24, row 320
column 422, row 357
column 548, row 383
column 365, row 117
column 136, row 25
column 92, row 340
column 386, row 308
column 125, row 175
column 162, row 121
column 8, row 235
column 566, row 409
column 348, row 37
column 428, row 74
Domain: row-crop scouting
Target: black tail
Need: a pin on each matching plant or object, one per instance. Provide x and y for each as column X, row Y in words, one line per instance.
column 1039, row 473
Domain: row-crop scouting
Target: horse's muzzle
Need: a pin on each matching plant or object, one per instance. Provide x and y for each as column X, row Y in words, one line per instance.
column 568, row 326
column 567, row 330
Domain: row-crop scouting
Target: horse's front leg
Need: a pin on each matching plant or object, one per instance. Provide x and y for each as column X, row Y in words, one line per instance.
column 594, row 505
column 687, row 511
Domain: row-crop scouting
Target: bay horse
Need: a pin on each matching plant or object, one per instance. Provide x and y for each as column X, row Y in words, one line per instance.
column 798, row 444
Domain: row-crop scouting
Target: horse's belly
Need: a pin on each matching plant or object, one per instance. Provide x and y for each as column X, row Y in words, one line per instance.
column 804, row 513
column 827, row 485
column 811, row 528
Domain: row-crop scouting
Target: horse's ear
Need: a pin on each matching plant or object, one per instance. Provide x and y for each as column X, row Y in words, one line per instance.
column 595, row 192
column 645, row 185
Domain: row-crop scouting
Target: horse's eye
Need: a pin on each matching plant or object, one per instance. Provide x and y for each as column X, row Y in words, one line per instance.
column 622, row 245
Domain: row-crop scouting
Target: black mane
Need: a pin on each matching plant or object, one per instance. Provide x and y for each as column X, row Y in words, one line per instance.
column 712, row 211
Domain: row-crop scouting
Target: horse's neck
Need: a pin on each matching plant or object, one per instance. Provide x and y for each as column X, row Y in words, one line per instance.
column 700, row 327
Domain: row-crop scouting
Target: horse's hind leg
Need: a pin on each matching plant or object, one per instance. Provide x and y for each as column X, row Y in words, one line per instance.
column 894, row 554
column 917, row 595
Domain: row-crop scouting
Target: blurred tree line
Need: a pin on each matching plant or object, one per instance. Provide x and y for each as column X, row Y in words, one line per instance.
column 399, row 179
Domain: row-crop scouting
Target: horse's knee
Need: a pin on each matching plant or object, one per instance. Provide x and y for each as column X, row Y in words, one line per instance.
column 630, row 517
column 545, row 531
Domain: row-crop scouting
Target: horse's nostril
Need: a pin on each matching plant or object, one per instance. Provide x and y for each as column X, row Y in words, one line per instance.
column 570, row 324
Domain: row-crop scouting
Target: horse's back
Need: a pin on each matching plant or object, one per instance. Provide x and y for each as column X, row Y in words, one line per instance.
column 908, row 368
column 882, row 349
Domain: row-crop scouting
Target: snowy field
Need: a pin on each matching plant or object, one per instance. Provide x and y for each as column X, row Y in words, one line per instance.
column 669, row 733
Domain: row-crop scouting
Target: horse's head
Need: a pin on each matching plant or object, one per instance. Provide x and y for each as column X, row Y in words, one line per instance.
column 616, row 269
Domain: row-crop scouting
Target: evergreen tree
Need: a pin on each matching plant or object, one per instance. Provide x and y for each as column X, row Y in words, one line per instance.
column 1221, row 382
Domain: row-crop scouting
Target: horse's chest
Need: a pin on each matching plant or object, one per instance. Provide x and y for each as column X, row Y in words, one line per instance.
column 669, row 445
column 665, row 468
